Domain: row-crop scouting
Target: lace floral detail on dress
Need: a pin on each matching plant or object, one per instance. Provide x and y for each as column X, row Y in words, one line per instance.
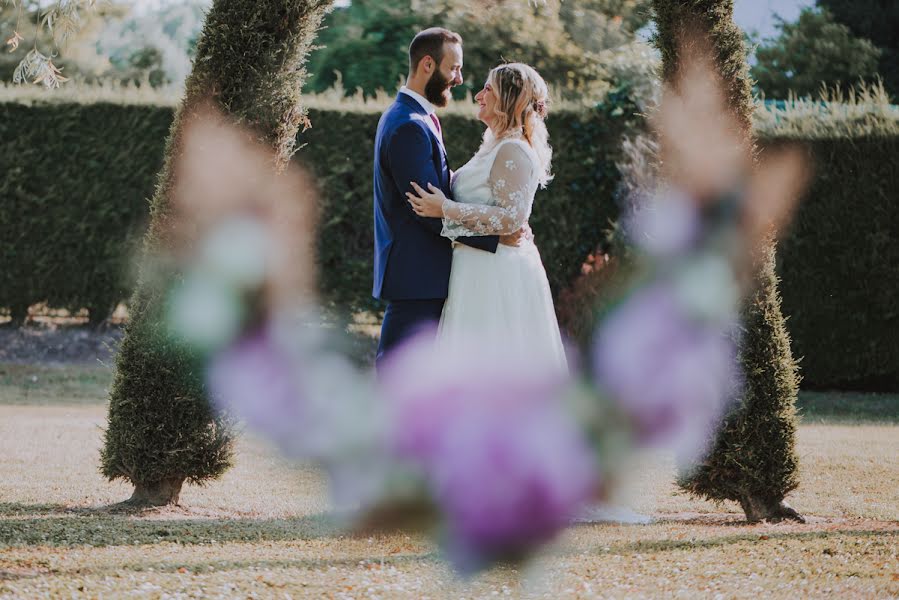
column 512, row 185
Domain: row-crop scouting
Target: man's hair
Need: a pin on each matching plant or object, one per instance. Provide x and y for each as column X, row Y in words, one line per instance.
column 430, row 42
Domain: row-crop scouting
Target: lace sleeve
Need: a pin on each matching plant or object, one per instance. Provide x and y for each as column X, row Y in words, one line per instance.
column 511, row 185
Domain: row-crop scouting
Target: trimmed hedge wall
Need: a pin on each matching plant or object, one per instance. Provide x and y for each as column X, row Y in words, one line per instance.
column 76, row 179
column 74, row 187
column 839, row 267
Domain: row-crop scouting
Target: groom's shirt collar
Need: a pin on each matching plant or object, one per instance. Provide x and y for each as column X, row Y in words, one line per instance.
column 429, row 108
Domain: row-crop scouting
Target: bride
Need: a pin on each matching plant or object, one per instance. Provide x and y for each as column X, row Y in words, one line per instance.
column 503, row 299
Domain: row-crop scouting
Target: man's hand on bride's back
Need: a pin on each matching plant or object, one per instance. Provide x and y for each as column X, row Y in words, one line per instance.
column 515, row 239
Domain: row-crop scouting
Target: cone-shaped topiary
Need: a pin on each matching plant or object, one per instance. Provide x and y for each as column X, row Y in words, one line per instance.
column 161, row 430
column 753, row 459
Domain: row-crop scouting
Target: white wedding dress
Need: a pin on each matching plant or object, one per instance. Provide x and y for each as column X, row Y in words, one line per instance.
column 501, row 300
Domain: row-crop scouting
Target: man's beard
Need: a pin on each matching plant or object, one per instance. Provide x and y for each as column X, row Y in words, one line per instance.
column 435, row 88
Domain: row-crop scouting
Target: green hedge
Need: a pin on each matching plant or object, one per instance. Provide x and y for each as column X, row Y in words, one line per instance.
column 74, row 184
column 76, row 179
column 839, row 266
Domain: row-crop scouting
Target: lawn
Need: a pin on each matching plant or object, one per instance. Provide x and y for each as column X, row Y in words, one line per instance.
column 264, row 529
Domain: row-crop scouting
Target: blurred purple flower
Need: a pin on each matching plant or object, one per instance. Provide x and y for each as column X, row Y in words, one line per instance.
column 288, row 387
column 503, row 458
column 670, row 373
column 255, row 380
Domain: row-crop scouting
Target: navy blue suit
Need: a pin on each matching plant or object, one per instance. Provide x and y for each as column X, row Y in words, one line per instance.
column 412, row 261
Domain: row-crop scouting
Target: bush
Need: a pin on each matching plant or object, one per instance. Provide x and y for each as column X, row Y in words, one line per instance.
column 839, row 267
column 74, row 187
column 78, row 178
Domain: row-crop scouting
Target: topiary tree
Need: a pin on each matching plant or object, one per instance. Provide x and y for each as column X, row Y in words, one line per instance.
column 753, row 459
column 160, row 429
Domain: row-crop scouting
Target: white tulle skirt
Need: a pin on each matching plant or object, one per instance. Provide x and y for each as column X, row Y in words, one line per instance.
column 503, row 301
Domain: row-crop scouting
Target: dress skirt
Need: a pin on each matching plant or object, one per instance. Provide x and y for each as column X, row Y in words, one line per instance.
column 502, row 301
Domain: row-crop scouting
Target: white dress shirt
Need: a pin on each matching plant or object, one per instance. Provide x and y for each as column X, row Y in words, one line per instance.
column 429, row 108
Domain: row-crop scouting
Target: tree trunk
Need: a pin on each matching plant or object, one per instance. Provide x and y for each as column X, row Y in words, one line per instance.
column 160, row 493
column 757, row 510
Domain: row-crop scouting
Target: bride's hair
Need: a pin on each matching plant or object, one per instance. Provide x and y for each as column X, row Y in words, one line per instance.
column 523, row 100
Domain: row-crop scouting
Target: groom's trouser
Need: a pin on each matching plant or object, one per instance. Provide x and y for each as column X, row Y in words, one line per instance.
column 405, row 318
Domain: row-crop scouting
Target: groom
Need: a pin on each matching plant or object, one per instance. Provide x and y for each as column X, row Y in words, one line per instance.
column 412, row 260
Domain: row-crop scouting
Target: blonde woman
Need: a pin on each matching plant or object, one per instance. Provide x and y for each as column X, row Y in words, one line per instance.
column 500, row 298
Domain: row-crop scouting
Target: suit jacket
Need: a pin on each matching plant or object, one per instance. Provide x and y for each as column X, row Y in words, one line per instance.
column 412, row 260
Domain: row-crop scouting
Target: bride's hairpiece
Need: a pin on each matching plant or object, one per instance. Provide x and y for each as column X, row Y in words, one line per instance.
column 540, row 108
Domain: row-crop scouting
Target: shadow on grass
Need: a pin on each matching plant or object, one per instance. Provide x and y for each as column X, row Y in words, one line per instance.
column 313, row 564
column 667, row 545
column 13, row 509
column 59, row 526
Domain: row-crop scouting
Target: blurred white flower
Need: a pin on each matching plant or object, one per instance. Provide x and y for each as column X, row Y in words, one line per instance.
column 205, row 311
column 239, row 252
column 707, row 287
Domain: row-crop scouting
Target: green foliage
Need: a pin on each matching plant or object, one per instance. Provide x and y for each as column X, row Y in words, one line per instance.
column 597, row 25
column 154, row 46
column 712, row 19
column 25, row 17
column 813, row 51
column 338, row 149
column 367, row 41
column 250, row 59
column 73, row 220
column 159, row 424
column 524, row 32
column 74, row 187
column 864, row 111
column 839, row 266
column 753, row 459
column 878, row 21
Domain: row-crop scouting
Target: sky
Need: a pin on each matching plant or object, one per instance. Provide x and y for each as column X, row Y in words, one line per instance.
column 758, row 15
column 750, row 15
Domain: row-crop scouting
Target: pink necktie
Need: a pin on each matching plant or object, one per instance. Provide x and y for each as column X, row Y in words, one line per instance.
column 437, row 123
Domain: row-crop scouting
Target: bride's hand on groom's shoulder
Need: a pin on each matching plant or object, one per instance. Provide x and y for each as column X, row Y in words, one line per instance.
column 426, row 203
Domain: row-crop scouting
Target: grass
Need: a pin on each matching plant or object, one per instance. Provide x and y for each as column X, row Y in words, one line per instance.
column 264, row 530
column 43, row 385
column 863, row 110
column 848, row 407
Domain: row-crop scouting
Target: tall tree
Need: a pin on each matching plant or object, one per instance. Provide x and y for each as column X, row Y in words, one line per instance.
column 813, row 51
column 598, row 25
column 878, row 21
column 161, row 430
column 367, row 42
column 753, row 459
